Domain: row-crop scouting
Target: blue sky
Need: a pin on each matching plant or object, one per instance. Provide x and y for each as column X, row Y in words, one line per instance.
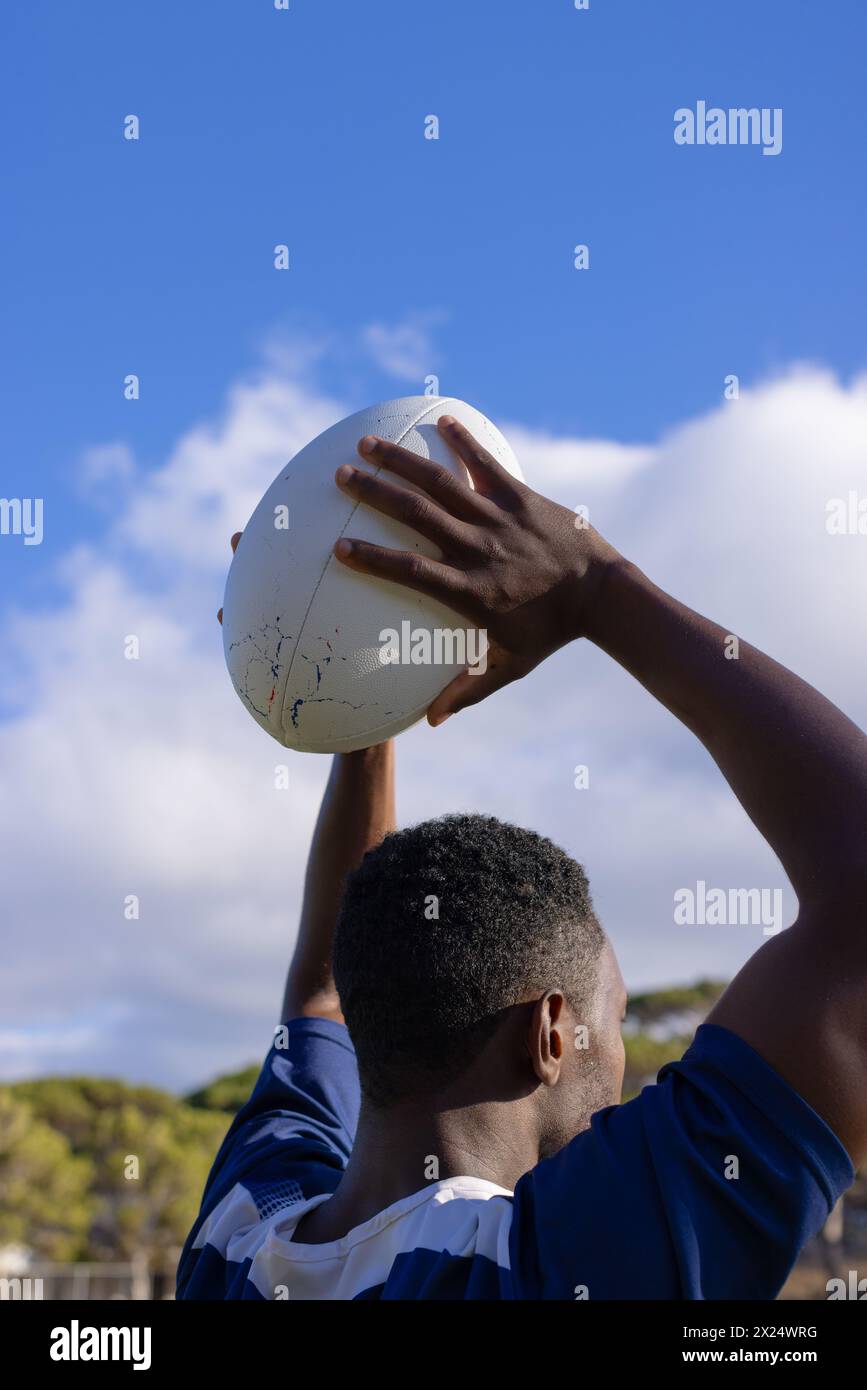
column 305, row 127
column 408, row 257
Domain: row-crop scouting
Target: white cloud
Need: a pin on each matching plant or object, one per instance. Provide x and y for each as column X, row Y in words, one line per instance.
column 404, row 349
column 577, row 472
column 107, row 466
column 217, row 472
column 146, row 777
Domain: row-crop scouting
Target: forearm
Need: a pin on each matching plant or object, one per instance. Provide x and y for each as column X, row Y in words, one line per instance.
column 357, row 811
column 795, row 762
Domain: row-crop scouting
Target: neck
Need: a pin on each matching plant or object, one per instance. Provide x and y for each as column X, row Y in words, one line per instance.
column 404, row 1149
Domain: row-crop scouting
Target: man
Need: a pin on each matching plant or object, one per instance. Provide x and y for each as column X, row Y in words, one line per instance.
column 487, row 1156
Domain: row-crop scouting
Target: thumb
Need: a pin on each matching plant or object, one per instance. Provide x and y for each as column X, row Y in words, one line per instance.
column 474, row 685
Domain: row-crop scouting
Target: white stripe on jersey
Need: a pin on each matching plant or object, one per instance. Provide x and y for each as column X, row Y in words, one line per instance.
column 461, row 1217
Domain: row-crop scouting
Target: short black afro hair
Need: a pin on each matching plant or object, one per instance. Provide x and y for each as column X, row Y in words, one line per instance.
column 444, row 926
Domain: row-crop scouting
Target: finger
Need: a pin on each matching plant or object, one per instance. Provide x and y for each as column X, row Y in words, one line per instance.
column 234, row 541
column 405, row 567
column 220, row 616
column 412, row 508
column 489, row 477
column 472, row 686
column 453, row 493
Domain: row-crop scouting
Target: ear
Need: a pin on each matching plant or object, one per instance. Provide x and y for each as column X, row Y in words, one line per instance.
column 546, row 1038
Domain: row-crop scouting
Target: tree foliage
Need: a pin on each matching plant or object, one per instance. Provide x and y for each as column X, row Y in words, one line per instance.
column 227, row 1093
column 94, row 1169
column 658, row 1005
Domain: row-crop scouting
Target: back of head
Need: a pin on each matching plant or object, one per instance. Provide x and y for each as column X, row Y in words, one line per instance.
column 443, row 927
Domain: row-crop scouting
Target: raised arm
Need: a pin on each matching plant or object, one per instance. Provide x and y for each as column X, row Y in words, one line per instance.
column 357, row 811
column 798, row 766
column 519, row 566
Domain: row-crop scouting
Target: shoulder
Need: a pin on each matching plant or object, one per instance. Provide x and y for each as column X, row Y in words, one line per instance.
column 706, row 1185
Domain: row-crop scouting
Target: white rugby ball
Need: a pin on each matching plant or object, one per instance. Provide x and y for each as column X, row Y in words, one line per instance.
column 302, row 634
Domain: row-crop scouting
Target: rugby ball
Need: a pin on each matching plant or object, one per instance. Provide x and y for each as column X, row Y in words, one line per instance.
column 325, row 659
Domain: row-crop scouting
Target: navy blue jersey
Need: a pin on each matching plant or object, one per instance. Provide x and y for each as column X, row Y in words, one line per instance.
column 706, row 1185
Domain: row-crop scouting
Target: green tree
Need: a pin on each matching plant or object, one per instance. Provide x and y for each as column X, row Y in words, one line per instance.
column 45, row 1197
column 227, row 1093
column 658, row 1005
column 145, row 1157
